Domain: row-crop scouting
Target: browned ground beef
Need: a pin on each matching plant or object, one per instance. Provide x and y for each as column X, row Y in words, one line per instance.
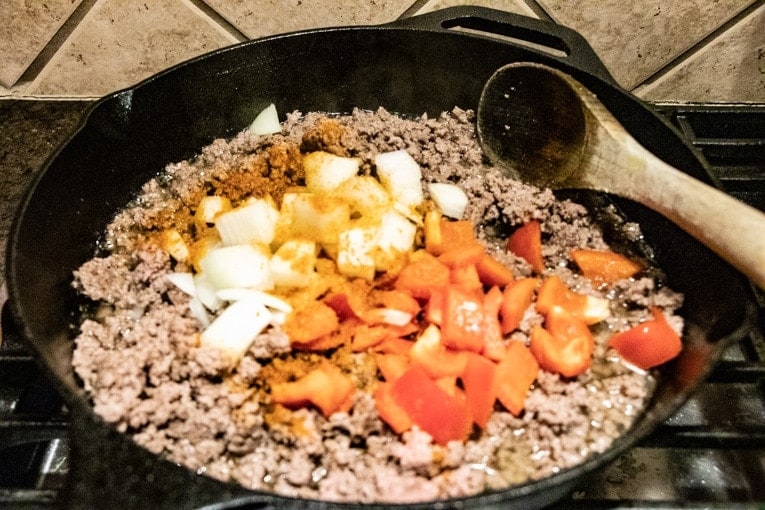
column 138, row 358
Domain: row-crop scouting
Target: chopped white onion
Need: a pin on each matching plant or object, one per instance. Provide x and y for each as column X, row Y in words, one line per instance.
column 450, row 199
column 240, row 265
column 234, row 330
column 324, row 171
column 266, row 122
column 278, row 318
column 254, row 222
column 199, row 311
column 206, row 292
column 184, row 281
column 268, row 300
column 389, row 316
column 400, row 174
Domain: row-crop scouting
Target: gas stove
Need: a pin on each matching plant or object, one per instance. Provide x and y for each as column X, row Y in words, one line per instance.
column 710, row 454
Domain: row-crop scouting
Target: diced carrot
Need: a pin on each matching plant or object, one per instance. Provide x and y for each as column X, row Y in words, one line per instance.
column 480, row 388
column 392, row 366
column 462, row 324
column 494, row 345
column 462, row 255
column 526, row 242
column 326, row 387
column 466, row 277
column 515, row 374
column 430, row 353
column 565, row 345
column 443, row 416
column 422, row 275
column 310, row 322
column 648, row 344
column 389, row 410
column 517, row 297
column 492, row 272
column 604, row 266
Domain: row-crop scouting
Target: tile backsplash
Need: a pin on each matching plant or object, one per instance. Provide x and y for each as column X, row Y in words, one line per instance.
column 662, row 50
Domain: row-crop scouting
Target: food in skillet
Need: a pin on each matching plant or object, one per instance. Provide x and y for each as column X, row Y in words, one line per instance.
column 358, row 308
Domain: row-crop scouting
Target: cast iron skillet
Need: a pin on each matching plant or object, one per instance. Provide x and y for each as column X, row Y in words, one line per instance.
column 421, row 64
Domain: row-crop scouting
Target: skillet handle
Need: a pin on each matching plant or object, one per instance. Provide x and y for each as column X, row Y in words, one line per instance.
column 559, row 42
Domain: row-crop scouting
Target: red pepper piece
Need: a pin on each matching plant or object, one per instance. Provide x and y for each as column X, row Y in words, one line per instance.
column 326, row 387
column 443, row 416
column 422, row 275
column 462, row 323
column 526, row 242
column 604, row 266
column 492, row 272
column 554, row 292
column 430, row 353
column 480, row 388
column 466, row 277
column 494, row 344
column 389, row 410
column 564, row 346
column 517, row 297
column 515, row 373
column 648, row 344
column 392, row 366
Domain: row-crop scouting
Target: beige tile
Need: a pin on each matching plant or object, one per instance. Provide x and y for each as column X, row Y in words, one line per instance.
column 120, row 42
column 268, row 17
column 731, row 68
column 514, row 6
column 637, row 38
column 25, row 28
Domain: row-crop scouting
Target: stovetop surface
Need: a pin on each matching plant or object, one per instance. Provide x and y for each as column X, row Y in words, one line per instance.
column 711, row 454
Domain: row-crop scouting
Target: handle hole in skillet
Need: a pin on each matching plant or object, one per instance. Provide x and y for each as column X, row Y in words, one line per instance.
column 522, row 36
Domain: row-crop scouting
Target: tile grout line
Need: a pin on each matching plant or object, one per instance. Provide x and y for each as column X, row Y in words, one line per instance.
column 56, row 42
column 697, row 47
column 220, row 20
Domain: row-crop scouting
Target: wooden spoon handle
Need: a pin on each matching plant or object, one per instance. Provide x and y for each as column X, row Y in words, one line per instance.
column 730, row 228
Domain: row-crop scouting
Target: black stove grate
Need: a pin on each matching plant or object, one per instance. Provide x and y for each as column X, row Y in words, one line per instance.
column 711, row 454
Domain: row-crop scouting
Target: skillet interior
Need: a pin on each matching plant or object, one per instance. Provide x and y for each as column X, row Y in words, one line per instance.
column 409, row 67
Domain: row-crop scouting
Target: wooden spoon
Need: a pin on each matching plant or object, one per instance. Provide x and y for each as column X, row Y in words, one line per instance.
column 547, row 129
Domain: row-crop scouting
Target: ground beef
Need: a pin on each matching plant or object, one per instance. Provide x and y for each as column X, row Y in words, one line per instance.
column 139, row 358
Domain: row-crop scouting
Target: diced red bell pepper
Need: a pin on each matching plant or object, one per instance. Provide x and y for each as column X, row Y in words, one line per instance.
column 648, row 344
column 565, row 345
column 517, row 297
column 310, row 322
column 466, row 277
column 480, row 388
column 366, row 336
column 326, row 387
column 449, row 234
column 389, row 410
column 421, row 275
column 494, row 344
column 492, row 272
column 515, row 374
column 443, row 416
column 462, row 323
column 605, row 266
column 554, row 292
column 392, row 366
column 394, row 346
column 399, row 300
column 430, row 353
column 462, row 255
column 526, row 242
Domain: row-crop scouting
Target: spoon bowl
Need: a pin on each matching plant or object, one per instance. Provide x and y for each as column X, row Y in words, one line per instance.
column 545, row 128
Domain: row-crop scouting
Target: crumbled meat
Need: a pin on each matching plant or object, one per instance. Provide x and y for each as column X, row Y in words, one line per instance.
column 139, row 358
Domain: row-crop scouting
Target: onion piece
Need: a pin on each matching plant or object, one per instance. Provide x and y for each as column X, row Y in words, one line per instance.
column 266, row 122
column 450, row 198
column 254, row 222
column 240, row 265
column 184, row 282
column 206, row 292
column 234, row 330
column 268, row 300
column 199, row 311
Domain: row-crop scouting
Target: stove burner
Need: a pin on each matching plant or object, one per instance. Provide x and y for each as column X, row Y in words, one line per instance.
column 709, row 454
